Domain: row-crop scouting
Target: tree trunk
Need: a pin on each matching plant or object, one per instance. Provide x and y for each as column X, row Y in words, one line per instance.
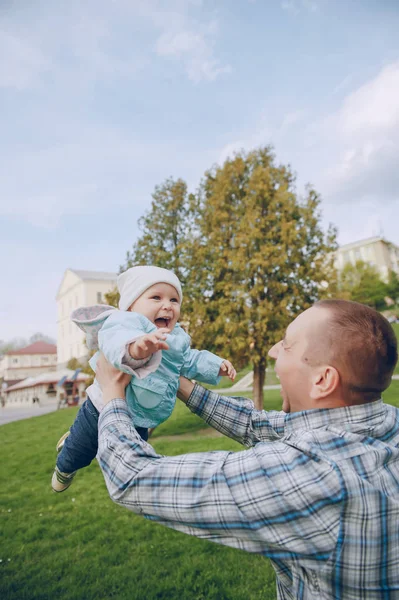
column 259, row 382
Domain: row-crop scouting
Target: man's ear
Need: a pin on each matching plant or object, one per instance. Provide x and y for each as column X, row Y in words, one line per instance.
column 325, row 381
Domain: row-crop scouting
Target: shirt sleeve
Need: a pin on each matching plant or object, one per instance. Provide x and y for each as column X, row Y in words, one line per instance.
column 267, row 500
column 236, row 417
column 201, row 365
column 114, row 338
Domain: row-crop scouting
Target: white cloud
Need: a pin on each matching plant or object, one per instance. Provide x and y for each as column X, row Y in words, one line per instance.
column 374, row 107
column 193, row 44
column 365, row 135
column 292, row 118
column 341, row 85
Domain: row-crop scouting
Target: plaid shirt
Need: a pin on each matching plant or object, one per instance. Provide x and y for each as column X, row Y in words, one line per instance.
column 317, row 492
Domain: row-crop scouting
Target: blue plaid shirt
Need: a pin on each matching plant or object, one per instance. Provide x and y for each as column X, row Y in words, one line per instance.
column 317, row 491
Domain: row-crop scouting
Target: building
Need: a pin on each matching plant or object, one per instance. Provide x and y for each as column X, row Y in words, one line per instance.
column 78, row 288
column 43, row 389
column 32, row 360
column 375, row 251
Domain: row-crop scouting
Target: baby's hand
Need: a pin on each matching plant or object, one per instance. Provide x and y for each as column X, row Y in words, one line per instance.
column 148, row 344
column 226, row 368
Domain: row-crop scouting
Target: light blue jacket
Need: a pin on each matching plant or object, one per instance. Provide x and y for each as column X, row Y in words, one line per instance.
column 150, row 396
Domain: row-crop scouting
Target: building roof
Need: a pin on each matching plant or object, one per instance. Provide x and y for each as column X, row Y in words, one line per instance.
column 95, row 275
column 45, row 378
column 365, row 242
column 35, row 348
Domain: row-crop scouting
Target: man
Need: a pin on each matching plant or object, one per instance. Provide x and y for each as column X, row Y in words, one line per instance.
column 317, row 491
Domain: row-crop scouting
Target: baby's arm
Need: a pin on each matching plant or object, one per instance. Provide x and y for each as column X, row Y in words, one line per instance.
column 148, row 344
column 226, row 368
column 119, row 335
column 205, row 366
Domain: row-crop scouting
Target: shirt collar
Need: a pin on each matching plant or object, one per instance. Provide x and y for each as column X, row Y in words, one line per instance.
column 359, row 418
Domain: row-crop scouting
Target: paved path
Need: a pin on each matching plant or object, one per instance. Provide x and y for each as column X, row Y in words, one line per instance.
column 9, row 414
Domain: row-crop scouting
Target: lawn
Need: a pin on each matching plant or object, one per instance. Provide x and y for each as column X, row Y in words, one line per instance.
column 80, row 546
column 396, row 329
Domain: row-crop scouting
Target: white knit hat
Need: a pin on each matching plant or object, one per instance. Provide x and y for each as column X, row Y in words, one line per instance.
column 135, row 281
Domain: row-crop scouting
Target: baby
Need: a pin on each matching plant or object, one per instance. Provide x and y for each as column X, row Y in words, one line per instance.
column 142, row 338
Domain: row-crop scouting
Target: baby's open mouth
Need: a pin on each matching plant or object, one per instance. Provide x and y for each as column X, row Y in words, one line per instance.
column 162, row 322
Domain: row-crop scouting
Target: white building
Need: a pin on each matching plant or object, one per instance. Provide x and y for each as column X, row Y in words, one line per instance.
column 29, row 361
column 375, row 251
column 78, row 288
column 43, row 389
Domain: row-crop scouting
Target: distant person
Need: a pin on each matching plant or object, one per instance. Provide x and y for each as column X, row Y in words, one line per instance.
column 318, row 490
column 132, row 339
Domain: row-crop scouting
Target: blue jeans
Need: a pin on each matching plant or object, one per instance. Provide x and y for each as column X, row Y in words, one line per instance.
column 81, row 446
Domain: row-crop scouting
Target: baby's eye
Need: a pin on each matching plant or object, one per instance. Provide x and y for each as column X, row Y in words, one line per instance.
column 174, row 300
column 156, row 298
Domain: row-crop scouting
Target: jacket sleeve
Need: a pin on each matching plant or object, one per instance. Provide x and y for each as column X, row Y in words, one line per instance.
column 201, row 365
column 114, row 337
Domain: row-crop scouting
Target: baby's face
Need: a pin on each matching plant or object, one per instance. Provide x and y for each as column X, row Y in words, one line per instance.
column 160, row 304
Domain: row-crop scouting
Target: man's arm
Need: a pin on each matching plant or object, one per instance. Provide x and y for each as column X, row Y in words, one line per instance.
column 236, row 418
column 237, row 499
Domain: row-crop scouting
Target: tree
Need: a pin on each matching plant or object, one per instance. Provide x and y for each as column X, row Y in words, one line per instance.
column 393, row 287
column 73, row 364
column 362, row 283
column 165, row 230
column 259, row 258
column 41, row 337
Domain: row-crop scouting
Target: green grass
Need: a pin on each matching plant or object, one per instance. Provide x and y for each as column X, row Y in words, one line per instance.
column 80, row 546
column 225, row 382
column 396, row 330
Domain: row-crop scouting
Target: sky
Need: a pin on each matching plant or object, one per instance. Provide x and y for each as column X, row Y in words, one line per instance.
column 102, row 100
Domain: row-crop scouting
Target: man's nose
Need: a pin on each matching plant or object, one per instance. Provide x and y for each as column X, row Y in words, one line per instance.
column 274, row 350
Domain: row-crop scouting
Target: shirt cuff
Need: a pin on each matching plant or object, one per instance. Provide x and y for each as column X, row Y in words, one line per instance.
column 202, row 402
column 114, row 411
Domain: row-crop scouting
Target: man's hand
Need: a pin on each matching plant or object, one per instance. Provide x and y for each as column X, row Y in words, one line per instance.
column 226, row 368
column 148, row 344
column 112, row 381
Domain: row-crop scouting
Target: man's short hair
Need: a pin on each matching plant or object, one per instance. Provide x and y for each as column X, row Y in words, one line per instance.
column 362, row 346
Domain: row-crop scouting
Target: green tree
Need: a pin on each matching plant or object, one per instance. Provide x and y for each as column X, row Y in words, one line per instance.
column 259, row 258
column 165, row 233
column 362, row 283
column 393, row 287
column 165, row 230
column 73, row 364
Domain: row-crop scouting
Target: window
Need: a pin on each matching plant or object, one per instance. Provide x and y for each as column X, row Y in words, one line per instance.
column 99, row 299
column 45, row 358
column 15, row 361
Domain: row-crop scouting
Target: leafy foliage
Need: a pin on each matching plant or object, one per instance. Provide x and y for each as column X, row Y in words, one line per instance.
column 250, row 254
column 166, row 230
column 260, row 257
column 362, row 283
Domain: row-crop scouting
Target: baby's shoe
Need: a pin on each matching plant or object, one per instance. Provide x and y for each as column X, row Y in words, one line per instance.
column 61, row 441
column 61, row 481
